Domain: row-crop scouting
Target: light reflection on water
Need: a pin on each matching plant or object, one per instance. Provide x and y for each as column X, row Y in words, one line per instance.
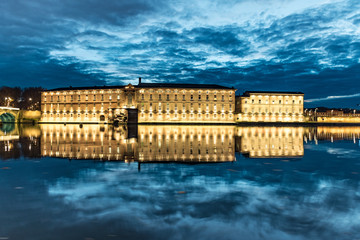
column 268, row 183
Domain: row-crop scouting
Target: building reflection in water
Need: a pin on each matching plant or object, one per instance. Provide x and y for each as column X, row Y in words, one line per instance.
column 186, row 143
column 153, row 143
column 17, row 141
column 270, row 142
column 333, row 133
column 160, row 143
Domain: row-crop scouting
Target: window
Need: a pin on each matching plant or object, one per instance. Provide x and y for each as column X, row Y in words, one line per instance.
column 191, row 97
column 51, row 98
column 150, row 96
column 279, row 101
column 79, row 98
column 175, row 97
column 86, row 97
column 45, row 98
column 253, row 101
column 259, row 101
column 183, row 97
column 214, row 97
column 94, row 97
column 222, row 98
column 199, row 97
column 102, row 97
column 72, row 97
column 110, row 97
column 142, row 96
column 64, row 98
column 58, row 98
column 207, row 97
column 118, row 97
column 167, row 97
column 159, row 96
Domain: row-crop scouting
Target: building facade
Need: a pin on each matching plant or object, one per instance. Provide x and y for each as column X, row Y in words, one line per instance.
column 270, row 107
column 151, row 102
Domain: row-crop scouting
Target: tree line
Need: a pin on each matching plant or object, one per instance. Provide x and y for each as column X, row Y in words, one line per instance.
column 23, row 98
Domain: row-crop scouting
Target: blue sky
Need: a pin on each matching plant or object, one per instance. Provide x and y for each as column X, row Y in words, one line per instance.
column 288, row 45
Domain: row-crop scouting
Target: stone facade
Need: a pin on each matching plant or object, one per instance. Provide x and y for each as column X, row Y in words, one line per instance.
column 270, row 107
column 164, row 103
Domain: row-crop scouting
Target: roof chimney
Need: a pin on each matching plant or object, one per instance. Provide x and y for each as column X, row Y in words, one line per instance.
column 139, row 80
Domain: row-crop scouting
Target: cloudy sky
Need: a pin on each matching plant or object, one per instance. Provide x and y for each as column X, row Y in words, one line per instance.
column 311, row 46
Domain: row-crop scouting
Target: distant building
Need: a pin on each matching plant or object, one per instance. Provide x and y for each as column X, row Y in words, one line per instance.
column 143, row 103
column 323, row 114
column 263, row 106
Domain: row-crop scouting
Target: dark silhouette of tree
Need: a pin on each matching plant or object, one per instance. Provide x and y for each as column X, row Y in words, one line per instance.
column 28, row 98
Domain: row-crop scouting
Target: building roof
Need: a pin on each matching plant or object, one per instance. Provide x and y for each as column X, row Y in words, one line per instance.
column 85, row 88
column 247, row 93
column 181, row 85
column 147, row 85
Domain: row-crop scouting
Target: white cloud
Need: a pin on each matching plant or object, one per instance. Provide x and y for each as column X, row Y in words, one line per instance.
column 333, row 97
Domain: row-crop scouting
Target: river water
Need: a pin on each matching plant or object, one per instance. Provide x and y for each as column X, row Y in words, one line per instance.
column 179, row 182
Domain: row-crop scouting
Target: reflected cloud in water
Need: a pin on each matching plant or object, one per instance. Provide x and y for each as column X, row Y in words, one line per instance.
column 226, row 205
column 268, row 183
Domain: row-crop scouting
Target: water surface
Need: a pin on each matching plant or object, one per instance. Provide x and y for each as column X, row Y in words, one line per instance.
column 179, row 182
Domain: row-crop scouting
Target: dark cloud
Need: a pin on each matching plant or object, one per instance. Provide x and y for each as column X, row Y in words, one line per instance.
column 225, row 40
column 47, row 43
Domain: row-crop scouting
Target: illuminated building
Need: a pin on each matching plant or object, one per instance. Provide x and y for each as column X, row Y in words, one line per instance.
column 142, row 103
column 270, row 107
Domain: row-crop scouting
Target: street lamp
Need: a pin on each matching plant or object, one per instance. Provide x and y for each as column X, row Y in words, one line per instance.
column 7, row 99
column 31, row 106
